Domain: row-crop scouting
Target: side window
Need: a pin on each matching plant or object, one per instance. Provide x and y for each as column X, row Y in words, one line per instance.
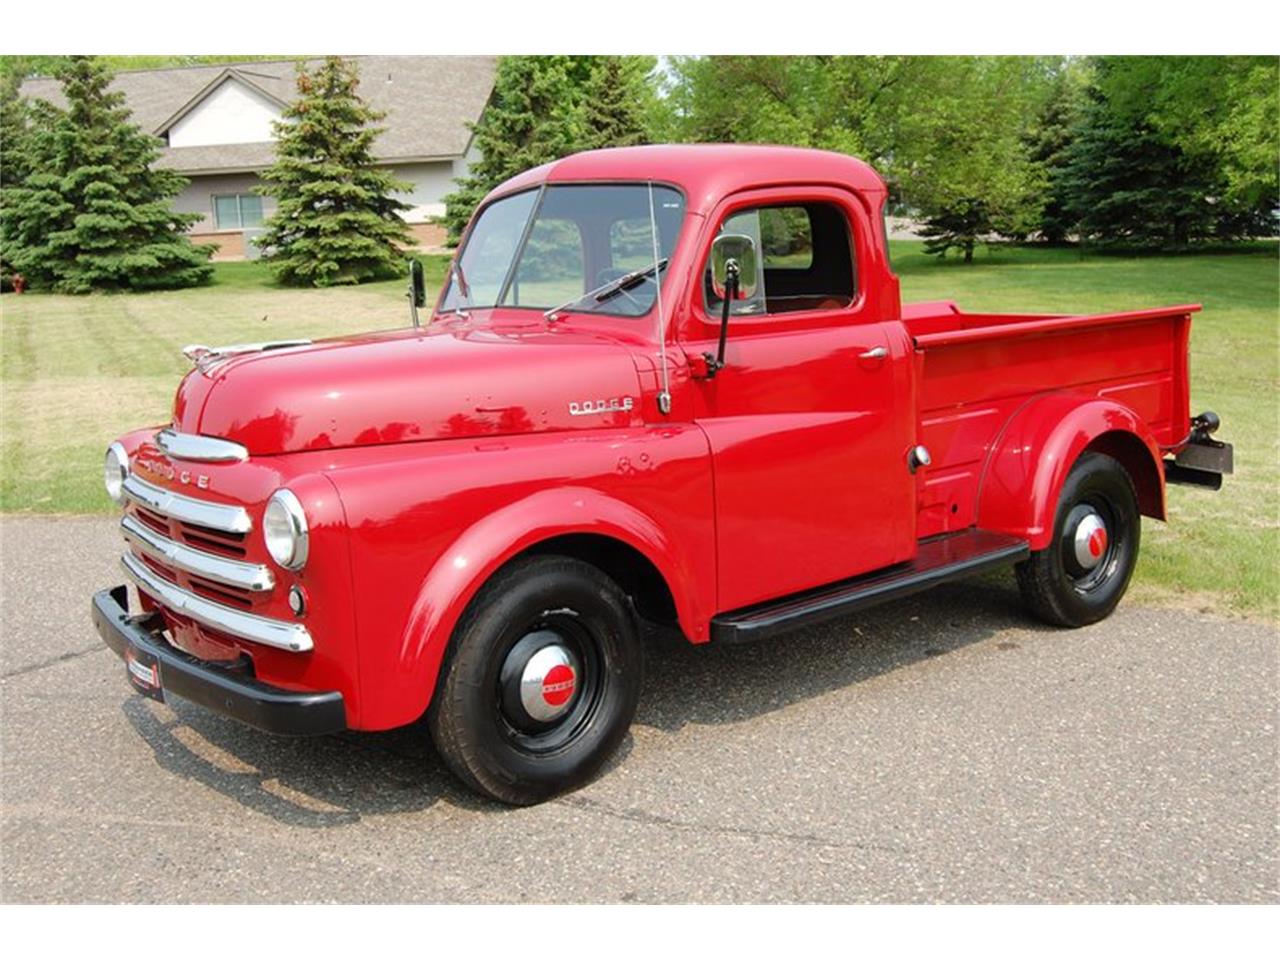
column 806, row 259
column 489, row 250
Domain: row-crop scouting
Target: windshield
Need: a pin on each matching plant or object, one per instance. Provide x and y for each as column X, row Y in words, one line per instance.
column 542, row 248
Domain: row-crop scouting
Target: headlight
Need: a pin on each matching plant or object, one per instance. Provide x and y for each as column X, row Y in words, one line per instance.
column 284, row 528
column 114, row 469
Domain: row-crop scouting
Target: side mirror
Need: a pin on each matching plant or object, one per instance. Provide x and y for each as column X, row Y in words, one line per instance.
column 417, row 284
column 729, row 253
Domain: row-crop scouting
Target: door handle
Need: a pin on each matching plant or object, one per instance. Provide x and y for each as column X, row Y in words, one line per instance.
column 875, row 353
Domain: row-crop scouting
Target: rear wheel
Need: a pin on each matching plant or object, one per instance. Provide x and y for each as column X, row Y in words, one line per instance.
column 1082, row 574
column 541, row 683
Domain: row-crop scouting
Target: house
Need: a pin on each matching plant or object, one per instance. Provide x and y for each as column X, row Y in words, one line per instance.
column 215, row 123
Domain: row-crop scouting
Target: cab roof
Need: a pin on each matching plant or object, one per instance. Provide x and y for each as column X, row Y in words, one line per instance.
column 705, row 172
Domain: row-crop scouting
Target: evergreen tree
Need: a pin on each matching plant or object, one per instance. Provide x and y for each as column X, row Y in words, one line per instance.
column 13, row 164
column 615, row 103
column 534, row 116
column 1055, row 129
column 1127, row 185
column 90, row 212
column 335, row 220
column 963, row 224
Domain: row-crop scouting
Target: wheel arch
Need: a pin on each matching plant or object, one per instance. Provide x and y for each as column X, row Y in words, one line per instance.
column 1029, row 462
column 578, row 522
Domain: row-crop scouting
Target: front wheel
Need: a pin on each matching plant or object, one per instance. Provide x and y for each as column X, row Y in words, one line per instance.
column 1081, row 575
column 541, row 683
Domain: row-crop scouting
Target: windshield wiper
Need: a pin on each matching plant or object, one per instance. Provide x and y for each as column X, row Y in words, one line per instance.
column 611, row 289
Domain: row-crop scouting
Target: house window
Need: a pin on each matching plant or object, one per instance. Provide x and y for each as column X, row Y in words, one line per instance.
column 237, row 211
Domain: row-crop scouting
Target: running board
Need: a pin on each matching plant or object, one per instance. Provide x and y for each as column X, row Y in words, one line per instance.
column 937, row 560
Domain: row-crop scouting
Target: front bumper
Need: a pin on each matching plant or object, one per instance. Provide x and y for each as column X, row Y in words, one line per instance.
column 227, row 691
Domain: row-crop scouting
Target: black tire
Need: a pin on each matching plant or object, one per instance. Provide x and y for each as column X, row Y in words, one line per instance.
column 484, row 735
column 1055, row 586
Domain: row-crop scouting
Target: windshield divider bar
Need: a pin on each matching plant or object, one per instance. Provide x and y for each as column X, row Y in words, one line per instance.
column 524, row 239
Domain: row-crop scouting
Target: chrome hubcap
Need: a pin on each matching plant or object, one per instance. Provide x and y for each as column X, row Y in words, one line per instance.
column 1090, row 541
column 548, row 676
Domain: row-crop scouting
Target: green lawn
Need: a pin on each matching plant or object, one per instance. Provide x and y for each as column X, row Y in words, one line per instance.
column 77, row 371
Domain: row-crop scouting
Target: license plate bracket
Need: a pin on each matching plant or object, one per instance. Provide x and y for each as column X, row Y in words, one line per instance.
column 143, row 671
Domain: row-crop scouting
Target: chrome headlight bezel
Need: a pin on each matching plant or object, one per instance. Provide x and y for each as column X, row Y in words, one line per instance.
column 115, row 470
column 284, row 530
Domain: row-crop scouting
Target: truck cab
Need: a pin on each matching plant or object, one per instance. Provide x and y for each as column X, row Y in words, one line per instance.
column 664, row 383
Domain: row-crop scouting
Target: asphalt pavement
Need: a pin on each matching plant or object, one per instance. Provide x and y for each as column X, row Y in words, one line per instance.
column 943, row 748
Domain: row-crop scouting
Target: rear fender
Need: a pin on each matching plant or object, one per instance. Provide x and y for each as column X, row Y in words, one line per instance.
column 491, row 542
column 1031, row 458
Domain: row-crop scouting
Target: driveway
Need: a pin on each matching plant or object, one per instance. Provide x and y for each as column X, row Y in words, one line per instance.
column 941, row 748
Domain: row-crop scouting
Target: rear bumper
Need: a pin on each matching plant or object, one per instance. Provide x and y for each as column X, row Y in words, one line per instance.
column 232, row 693
column 1201, row 463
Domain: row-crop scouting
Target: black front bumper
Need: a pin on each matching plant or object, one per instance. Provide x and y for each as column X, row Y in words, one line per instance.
column 226, row 691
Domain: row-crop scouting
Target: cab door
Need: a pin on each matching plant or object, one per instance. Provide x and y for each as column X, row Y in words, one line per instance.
column 809, row 421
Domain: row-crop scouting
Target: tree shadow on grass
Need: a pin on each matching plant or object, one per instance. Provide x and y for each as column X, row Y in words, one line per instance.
column 338, row 780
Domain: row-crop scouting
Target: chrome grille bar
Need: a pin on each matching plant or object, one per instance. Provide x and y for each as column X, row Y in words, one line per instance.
column 216, row 516
column 273, row 633
column 190, row 446
column 254, row 577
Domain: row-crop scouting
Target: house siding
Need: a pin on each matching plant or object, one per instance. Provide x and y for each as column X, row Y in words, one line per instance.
column 430, row 182
column 231, row 113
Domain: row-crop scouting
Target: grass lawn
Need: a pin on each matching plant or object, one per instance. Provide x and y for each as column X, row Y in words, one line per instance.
column 77, row 371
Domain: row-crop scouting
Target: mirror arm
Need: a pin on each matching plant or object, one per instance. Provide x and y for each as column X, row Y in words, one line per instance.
column 716, row 363
column 417, row 290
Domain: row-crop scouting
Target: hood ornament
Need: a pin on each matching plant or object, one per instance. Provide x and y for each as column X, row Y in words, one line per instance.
column 204, row 357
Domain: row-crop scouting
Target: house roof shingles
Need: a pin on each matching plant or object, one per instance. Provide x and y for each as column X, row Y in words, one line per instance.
column 428, row 101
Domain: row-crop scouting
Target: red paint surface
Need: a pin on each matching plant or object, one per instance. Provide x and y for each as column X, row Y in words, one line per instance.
column 558, row 684
column 1098, row 542
column 426, row 459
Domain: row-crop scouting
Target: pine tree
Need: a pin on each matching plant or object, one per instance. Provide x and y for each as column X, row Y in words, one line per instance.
column 335, row 220
column 1055, row 129
column 962, row 225
column 1126, row 185
column 91, row 213
column 533, row 117
column 13, row 165
column 615, row 103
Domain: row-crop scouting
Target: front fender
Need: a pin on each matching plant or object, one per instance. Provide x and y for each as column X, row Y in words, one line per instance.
column 484, row 547
column 1030, row 460
column 431, row 522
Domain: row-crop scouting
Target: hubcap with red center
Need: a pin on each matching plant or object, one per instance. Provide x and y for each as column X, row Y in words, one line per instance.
column 548, row 682
column 1090, row 541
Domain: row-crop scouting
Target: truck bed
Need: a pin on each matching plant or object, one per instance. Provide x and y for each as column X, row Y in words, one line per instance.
column 974, row 371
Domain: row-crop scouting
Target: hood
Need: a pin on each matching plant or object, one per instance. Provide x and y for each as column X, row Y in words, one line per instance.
column 412, row 385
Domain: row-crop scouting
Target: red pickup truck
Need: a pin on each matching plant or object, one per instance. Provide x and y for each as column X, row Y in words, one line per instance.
column 673, row 383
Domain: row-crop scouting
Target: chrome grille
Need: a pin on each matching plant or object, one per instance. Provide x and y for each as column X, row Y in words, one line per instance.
column 237, row 623
column 204, row 513
column 251, row 577
column 187, row 555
